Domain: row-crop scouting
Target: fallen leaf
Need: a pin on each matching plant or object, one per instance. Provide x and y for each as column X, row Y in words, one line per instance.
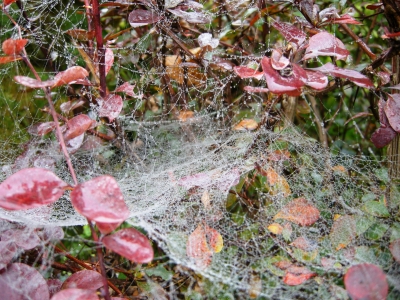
column 246, row 124
column 343, row 232
column 197, row 248
column 297, row 275
column 299, row 211
column 275, row 228
column 395, row 249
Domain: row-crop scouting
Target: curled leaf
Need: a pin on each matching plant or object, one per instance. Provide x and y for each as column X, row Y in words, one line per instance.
column 246, row 72
column 70, row 76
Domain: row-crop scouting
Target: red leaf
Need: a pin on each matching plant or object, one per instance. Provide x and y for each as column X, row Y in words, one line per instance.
column 345, row 19
column 126, row 88
column 140, row 17
column 71, row 105
column 54, row 286
column 109, row 59
column 100, row 200
column 325, row 44
column 75, row 294
column 192, row 17
column 395, row 249
column 32, row 82
column 20, row 282
column 8, row 2
column 297, row 275
column 299, row 211
column 278, row 61
column 383, row 136
column 278, row 84
column 45, row 128
column 30, row 188
column 374, row 6
column 290, row 32
column 392, row 111
column 7, row 59
column 131, row 244
column 14, row 47
column 366, row 282
column 111, row 107
column 252, row 89
column 351, row 75
column 81, row 34
column 316, row 80
column 70, row 75
column 74, row 144
column 23, row 238
column 77, row 126
column 246, row 72
column 7, row 250
column 197, row 248
column 85, row 279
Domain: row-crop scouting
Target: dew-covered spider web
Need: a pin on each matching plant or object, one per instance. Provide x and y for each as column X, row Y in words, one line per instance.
column 183, row 163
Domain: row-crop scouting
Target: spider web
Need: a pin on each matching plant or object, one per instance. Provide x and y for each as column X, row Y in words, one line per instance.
column 178, row 174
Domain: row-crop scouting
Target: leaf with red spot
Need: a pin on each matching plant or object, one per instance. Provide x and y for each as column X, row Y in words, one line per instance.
column 278, row 84
column 70, row 76
column 325, row 44
column 126, row 88
column 75, row 294
column 252, row 89
column 140, row 17
column 297, row 275
column 100, row 200
column 14, row 47
column 111, row 107
column 7, row 59
column 395, row 249
column 30, row 188
column 392, row 111
column 85, row 279
column 354, row 76
column 197, row 248
column 20, row 281
column 299, row 211
column 131, row 244
column 316, row 80
column 366, row 281
column 77, row 126
column 192, row 17
column 246, row 72
column 290, row 32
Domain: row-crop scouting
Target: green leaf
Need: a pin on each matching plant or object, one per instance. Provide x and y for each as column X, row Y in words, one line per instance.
column 376, row 208
column 395, row 231
column 363, row 223
column 160, row 271
column 376, row 231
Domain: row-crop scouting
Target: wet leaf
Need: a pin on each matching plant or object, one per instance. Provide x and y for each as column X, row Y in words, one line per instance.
column 66, row 107
column 126, row 88
column 325, row 44
column 395, row 249
column 185, row 115
column 383, row 136
column 192, row 17
column 252, row 89
column 7, row 59
column 20, row 281
column 30, row 188
column 299, row 211
column 197, row 248
column 206, row 199
column 85, row 279
column 376, row 231
column 277, row 183
column 304, row 244
column 111, row 107
column 366, row 282
column 316, row 80
column 376, row 208
column 13, row 47
column 81, row 34
column 75, row 294
column 77, row 126
column 140, row 17
column 131, row 244
column 70, row 76
column 8, row 2
column 100, row 200
column 74, row 144
column 343, row 232
column 297, row 275
column 246, row 125
column 32, row 82
column 45, row 128
column 24, row 238
column 290, row 32
column 392, row 111
column 109, row 59
column 354, row 76
column 246, row 72
column 214, row 239
column 278, row 60
column 7, row 249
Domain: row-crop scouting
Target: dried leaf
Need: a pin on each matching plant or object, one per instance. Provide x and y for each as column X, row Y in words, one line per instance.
column 140, row 17
column 214, row 239
column 131, row 244
column 206, row 199
column 85, row 279
column 325, row 44
column 343, row 232
column 13, row 47
column 366, row 282
column 30, row 188
column 185, row 115
column 299, row 211
column 111, row 107
column 246, row 125
column 100, row 200
column 77, row 126
column 81, row 34
column 277, row 183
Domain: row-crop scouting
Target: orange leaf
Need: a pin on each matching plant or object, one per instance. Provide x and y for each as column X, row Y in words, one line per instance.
column 197, row 248
column 246, row 124
column 297, row 275
column 299, row 211
column 7, row 59
column 14, row 47
column 214, row 239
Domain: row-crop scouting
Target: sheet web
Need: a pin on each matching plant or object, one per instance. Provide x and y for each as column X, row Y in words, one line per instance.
column 177, row 175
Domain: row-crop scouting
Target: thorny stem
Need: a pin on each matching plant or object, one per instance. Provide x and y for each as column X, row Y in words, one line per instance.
column 100, row 48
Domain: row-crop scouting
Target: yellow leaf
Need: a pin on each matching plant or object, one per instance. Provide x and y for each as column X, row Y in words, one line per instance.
column 184, row 115
column 275, row 228
column 215, row 240
column 246, row 124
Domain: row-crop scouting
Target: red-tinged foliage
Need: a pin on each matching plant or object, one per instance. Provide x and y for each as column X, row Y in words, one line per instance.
column 214, row 239
column 85, row 279
column 345, row 19
column 20, row 282
column 197, row 248
column 109, row 59
column 297, row 275
column 131, row 244
column 392, row 111
column 278, row 60
column 70, row 76
column 7, row 59
column 252, row 89
column 75, row 144
column 45, row 128
column 126, row 88
column 290, row 32
column 81, row 34
column 383, row 136
column 77, row 126
column 354, row 76
column 374, row 6
column 68, row 106
column 32, row 82
column 54, row 286
column 325, row 44
column 13, row 47
column 111, row 107
column 24, row 238
column 8, row 2
column 30, row 188
column 7, row 250
column 395, row 249
column 246, row 72
column 316, row 80
column 191, row 17
column 366, row 282
column 51, row 233
column 140, row 17
column 75, row 294
column 304, row 244
column 100, row 200
column 299, row 211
